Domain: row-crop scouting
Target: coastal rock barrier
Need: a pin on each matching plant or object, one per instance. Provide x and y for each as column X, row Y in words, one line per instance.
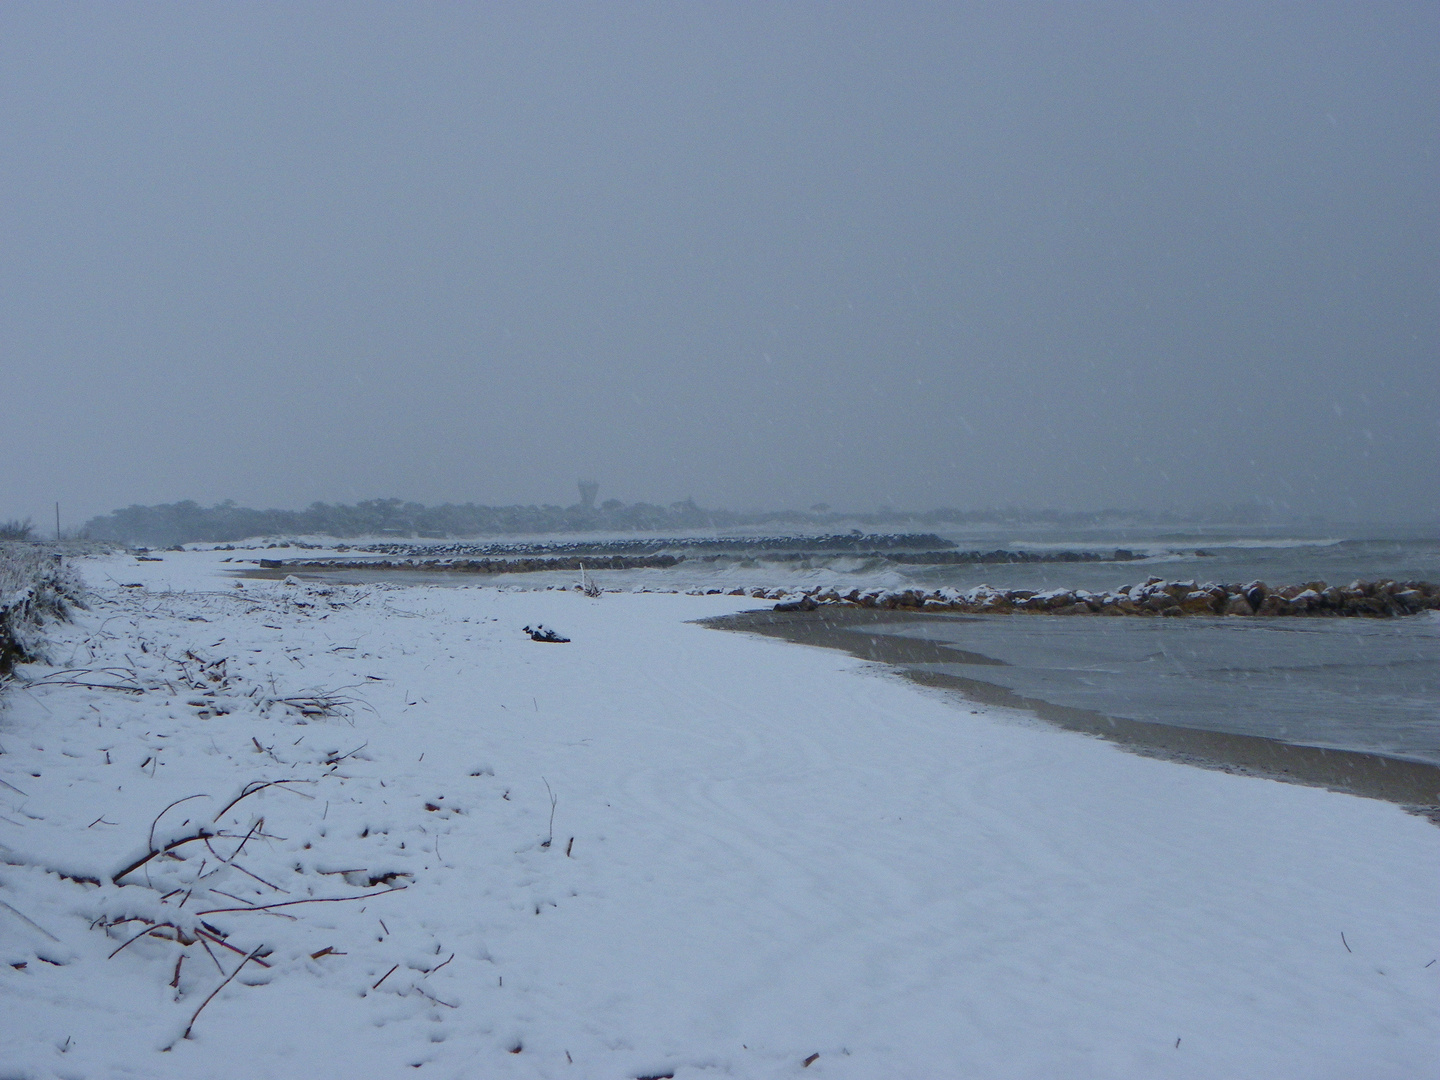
column 524, row 564
column 1155, row 597
column 481, row 566
column 844, row 544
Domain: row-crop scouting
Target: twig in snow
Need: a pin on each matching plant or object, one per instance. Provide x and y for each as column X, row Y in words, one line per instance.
column 553, row 800
column 150, row 928
column 162, row 813
column 384, row 977
column 342, row 757
column 25, row 918
column 1344, row 942
column 212, row 955
column 259, row 823
column 236, row 866
column 312, row 900
column 137, row 937
column 257, row 786
column 588, row 586
column 53, row 679
column 205, row 935
column 217, row 990
column 421, row 991
column 203, row 834
column 232, row 896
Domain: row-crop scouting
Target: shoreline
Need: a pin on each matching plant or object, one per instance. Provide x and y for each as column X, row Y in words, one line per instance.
column 1414, row 785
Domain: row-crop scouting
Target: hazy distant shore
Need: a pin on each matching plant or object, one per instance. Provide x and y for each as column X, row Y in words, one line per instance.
column 399, row 521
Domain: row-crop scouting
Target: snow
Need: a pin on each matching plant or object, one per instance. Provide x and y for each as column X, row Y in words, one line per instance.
column 777, row 851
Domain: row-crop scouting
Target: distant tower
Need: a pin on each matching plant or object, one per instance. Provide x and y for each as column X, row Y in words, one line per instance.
column 588, row 490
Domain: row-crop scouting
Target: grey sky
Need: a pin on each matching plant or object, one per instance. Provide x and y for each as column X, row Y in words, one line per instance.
column 1048, row 255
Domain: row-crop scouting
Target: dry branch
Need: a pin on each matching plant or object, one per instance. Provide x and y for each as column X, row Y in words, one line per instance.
column 203, row 834
column 252, row 788
column 312, row 900
column 384, row 977
column 205, row 936
column 26, row 919
column 217, row 990
column 162, row 813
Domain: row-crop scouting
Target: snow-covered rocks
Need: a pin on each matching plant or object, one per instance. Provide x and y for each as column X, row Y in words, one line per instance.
column 1153, row 597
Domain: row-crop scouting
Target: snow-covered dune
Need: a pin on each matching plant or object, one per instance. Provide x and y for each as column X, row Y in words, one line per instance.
column 655, row 850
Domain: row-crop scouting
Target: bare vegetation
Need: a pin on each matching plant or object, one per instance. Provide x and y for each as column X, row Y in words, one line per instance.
column 210, row 889
column 35, row 585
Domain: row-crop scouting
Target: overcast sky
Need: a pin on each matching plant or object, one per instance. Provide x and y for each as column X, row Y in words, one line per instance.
column 1070, row 255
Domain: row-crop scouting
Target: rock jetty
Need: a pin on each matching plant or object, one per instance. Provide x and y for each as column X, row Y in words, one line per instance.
column 609, row 557
column 1155, row 597
column 480, row 566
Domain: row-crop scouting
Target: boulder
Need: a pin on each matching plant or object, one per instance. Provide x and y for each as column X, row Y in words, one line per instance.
column 1256, row 592
column 1411, row 600
column 1198, row 603
column 805, row 603
column 1275, row 604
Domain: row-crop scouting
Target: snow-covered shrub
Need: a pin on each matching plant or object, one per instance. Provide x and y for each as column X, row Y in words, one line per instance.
column 35, row 585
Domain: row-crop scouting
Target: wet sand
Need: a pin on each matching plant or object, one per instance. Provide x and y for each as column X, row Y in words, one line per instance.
column 1412, row 784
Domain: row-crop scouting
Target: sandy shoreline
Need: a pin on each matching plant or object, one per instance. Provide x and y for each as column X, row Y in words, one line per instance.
column 1409, row 783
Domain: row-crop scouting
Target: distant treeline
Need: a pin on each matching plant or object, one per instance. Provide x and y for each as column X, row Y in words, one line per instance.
column 188, row 522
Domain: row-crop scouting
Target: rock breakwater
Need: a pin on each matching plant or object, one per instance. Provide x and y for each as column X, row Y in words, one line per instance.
column 613, row 560
column 1154, row 597
column 481, row 566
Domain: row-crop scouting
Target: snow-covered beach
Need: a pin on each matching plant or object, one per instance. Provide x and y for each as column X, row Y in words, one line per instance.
column 657, row 850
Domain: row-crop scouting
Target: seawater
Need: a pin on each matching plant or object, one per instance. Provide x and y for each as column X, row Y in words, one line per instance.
column 1349, row 684
column 1352, row 684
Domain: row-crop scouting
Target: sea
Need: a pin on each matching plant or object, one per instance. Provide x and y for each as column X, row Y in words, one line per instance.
column 1352, row 684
